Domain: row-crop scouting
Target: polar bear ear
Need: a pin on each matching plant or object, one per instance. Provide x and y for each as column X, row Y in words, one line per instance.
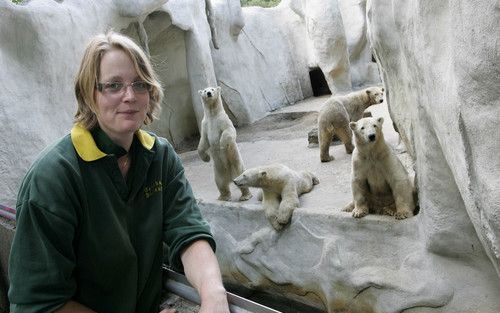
column 218, row 88
column 352, row 125
column 263, row 174
column 383, row 89
column 368, row 91
column 200, row 92
column 380, row 120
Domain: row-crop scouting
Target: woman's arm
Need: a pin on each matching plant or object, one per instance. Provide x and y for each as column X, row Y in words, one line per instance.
column 202, row 271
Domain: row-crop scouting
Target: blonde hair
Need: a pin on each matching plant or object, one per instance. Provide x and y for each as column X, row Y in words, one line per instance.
column 88, row 74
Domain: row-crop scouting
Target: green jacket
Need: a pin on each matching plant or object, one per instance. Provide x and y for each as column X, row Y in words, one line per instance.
column 84, row 233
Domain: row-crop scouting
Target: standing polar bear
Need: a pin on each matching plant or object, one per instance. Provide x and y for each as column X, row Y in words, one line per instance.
column 379, row 181
column 338, row 111
column 281, row 188
column 219, row 135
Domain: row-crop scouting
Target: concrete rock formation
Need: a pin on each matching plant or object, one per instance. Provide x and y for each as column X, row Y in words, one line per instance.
column 232, row 47
column 192, row 45
column 327, row 259
column 438, row 61
column 363, row 68
column 39, row 59
column 440, row 65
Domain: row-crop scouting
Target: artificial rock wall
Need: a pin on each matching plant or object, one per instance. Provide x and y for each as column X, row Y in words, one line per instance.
column 439, row 63
column 260, row 57
column 41, row 43
column 336, row 263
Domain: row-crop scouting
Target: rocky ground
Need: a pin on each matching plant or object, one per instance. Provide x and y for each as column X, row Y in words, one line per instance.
column 180, row 305
column 282, row 124
column 282, row 137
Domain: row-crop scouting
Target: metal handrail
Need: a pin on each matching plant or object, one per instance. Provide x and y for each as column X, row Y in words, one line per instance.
column 179, row 285
column 7, row 212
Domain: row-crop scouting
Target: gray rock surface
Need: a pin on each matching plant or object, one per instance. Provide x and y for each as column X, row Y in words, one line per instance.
column 362, row 68
column 328, row 44
column 328, row 259
column 41, row 46
column 262, row 62
column 439, row 64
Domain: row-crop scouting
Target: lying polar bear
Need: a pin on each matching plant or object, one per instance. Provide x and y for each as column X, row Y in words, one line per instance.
column 281, row 188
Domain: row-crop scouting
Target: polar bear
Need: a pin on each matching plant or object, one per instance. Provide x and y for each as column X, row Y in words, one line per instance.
column 219, row 135
column 281, row 188
column 336, row 113
column 380, row 183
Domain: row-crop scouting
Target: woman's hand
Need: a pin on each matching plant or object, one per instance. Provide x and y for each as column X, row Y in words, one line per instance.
column 214, row 301
column 202, row 271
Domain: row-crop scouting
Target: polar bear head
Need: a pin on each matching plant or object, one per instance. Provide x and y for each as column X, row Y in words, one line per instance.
column 367, row 130
column 375, row 94
column 253, row 177
column 210, row 95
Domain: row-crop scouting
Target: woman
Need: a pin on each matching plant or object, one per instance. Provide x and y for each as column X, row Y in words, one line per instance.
column 95, row 209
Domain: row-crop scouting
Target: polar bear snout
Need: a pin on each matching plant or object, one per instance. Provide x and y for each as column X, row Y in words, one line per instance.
column 239, row 181
column 209, row 92
column 367, row 130
column 378, row 98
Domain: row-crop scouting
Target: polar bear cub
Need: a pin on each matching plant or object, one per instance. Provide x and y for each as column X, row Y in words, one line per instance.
column 380, row 183
column 336, row 113
column 281, row 188
column 219, row 136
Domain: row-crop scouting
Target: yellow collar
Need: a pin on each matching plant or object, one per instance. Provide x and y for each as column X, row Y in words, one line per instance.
column 87, row 149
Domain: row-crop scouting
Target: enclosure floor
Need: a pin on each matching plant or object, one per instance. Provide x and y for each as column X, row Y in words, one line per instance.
column 282, row 137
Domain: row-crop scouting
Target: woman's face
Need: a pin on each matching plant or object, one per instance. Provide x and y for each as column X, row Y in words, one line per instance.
column 122, row 100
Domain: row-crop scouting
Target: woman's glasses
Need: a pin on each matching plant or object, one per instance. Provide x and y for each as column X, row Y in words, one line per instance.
column 115, row 88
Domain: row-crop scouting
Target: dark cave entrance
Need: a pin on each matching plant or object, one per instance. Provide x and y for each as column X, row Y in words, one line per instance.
column 318, row 82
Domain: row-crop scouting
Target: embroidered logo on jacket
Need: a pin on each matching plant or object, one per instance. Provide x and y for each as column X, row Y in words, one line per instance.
column 153, row 188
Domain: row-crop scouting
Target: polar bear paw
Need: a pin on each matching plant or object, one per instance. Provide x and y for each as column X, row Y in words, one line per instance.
column 359, row 212
column 388, row 210
column 402, row 214
column 246, row 196
column 273, row 219
column 225, row 197
column 327, row 158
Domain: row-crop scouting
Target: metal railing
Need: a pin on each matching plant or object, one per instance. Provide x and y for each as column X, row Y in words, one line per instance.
column 178, row 284
column 7, row 212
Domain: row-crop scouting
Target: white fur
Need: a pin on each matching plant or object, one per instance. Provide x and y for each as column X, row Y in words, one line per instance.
column 338, row 111
column 219, row 136
column 281, row 188
column 379, row 181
